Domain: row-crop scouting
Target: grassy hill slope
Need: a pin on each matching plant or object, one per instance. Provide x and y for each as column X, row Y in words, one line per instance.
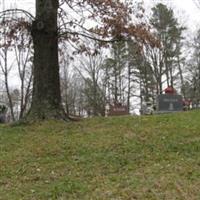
column 122, row 158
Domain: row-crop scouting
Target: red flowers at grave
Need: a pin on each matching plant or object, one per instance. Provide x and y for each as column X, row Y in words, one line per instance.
column 170, row 90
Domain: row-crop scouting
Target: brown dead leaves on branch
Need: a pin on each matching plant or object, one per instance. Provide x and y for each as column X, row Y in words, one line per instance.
column 111, row 20
column 11, row 30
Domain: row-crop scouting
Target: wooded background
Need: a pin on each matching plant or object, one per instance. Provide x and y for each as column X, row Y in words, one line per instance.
column 108, row 53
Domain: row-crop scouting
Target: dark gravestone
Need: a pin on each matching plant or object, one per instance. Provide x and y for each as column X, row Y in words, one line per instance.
column 169, row 103
column 2, row 114
column 2, row 118
column 117, row 110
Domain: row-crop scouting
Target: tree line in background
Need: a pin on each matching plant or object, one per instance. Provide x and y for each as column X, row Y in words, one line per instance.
column 122, row 71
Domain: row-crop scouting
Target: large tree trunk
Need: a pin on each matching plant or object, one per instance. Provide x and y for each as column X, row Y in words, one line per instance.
column 46, row 101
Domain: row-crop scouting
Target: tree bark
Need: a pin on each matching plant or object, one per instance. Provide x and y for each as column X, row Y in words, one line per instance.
column 46, row 100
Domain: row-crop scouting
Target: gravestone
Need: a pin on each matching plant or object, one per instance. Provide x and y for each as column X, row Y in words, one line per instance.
column 169, row 103
column 3, row 110
column 2, row 118
column 117, row 109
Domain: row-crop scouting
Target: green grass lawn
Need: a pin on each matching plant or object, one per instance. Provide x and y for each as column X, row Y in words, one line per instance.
column 121, row 158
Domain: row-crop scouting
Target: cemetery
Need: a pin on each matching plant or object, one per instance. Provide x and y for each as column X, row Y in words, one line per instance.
column 116, row 110
column 92, row 95
column 169, row 102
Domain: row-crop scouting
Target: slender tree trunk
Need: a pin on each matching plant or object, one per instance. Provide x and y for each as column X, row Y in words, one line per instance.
column 160, row 73
column 167, row 70
column 66, row 87
column 46, row 102
column 9, row 99
column 26, row 97
column 160, row 86
column 115, row 87
column 171, row 78
column 5, row 72
column 129, row 88
column 181, row 77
